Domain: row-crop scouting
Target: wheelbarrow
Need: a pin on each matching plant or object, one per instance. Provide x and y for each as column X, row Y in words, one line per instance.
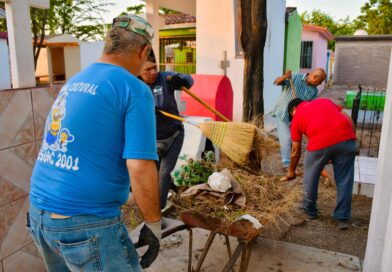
column 243, row 230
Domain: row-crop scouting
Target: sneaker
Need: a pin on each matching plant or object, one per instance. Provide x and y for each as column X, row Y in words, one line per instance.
column 301, row 209
column 342, row 225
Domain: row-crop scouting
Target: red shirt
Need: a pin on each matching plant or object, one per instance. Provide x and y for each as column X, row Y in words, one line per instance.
column 322, row 122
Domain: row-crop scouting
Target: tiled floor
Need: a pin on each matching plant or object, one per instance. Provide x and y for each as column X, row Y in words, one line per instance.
column 365, row 170
column 365, row 176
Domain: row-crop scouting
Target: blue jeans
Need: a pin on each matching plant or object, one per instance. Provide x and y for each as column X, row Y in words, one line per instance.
column 284, row 135
column 166, row 165
column 82, row 242
column 342, row 156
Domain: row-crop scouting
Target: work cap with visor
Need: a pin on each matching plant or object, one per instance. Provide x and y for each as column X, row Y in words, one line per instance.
column 135, row 24
column 293, row 103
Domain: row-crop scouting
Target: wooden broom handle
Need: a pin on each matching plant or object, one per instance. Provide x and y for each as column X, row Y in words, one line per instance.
column 292, row 87
column 178, row 118
column 201, row 101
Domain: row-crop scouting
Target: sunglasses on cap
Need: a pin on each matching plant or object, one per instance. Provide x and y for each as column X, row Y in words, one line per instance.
column 135, row 24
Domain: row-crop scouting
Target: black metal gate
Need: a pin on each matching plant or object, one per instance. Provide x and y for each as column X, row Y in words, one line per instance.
column 178, row 54
column 367, row 114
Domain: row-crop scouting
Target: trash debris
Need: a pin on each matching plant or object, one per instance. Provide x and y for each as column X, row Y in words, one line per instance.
column 256, row 224
column 219, row 182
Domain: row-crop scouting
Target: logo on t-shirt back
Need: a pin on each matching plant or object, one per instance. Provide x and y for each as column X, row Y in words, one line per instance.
column 57, row 137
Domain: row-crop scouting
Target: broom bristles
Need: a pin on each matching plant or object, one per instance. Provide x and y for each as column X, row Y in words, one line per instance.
column 235, row 139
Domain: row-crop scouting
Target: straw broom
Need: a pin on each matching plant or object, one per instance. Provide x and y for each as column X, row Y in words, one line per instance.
column 235, row 139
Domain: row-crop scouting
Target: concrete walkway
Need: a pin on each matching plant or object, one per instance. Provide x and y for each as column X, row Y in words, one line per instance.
column 268, row 255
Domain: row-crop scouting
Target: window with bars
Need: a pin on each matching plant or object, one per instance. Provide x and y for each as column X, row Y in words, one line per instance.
column 306, row 55
column 178, row 54
column 189, row 57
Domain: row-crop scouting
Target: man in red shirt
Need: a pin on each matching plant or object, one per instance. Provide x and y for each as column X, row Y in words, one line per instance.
column 331, row 137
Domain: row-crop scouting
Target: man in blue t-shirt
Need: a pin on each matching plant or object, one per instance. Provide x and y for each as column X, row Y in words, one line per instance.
column 100, row 134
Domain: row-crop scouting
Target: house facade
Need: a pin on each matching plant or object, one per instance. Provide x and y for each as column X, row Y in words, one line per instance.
column 314, row 48
column 177, row 43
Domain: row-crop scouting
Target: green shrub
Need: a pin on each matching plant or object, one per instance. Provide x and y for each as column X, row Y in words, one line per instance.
column 194, row 171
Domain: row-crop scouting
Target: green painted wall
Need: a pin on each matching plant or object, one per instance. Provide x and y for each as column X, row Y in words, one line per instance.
column 292, row 47
column 180, row 56
column 176, row 32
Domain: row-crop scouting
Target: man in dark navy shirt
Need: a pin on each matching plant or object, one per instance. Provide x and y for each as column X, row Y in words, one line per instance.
column 170, row 132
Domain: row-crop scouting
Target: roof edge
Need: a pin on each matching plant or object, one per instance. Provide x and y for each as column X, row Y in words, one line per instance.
column 387, row 37
column 322, row 30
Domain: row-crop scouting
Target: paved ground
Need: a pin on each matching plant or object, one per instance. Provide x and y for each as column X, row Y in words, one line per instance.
column 268, row 255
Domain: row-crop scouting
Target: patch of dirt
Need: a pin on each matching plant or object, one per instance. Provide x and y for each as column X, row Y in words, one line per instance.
column 323, row 232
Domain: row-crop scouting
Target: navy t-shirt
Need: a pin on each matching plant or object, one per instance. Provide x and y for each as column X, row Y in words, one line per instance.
column 164, row 99
column 101, row 117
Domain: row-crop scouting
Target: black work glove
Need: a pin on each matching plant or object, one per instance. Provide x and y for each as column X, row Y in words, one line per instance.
column 150, row 235
column 157, row 110
column 176, row 82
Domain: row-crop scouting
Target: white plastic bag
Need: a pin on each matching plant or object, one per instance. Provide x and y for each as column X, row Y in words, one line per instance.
column 218, row 182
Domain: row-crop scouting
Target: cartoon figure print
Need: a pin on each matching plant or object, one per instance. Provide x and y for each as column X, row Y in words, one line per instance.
column 57, row 138
column 65, row 138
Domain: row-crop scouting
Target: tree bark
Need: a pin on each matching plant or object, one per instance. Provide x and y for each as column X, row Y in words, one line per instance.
column 253, row 36
column 37, row 45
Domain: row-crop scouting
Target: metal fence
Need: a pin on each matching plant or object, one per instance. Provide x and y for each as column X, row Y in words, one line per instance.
column 178, row 54
column 367, row 114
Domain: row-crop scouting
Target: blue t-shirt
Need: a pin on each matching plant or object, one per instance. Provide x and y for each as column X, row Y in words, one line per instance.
column 101, row 117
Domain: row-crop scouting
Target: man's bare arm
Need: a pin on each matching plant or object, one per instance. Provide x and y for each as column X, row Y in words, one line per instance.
column 294, row 159
column 279, row 80
column 145, row 188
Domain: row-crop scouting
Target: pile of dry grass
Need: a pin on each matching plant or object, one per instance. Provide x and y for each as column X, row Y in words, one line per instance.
column 267, row 199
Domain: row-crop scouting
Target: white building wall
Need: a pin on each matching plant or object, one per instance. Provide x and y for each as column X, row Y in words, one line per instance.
column 90, row 52
column 71, row 61
column 5, row 72
column 379, row 245
column 42, row 64
column 274, row 52
column 215, row 32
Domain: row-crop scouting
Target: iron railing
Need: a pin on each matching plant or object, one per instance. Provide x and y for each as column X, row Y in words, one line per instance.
column 367, row 115
column 178, row 54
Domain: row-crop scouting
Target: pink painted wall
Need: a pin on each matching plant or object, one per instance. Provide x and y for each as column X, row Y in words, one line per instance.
column 320, row 46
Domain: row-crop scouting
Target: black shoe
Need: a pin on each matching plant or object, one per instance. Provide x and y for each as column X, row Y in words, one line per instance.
column 312, row 216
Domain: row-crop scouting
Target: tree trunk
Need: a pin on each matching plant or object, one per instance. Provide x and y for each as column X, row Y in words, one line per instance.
column 253, row 36
column 38, row 26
